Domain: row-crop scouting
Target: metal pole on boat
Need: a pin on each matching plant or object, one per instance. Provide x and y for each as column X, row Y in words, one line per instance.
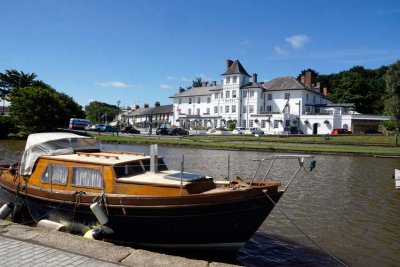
column 183, row 159
column 229, row 168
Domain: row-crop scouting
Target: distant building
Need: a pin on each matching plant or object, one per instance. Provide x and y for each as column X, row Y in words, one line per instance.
column 155, row 116
column 279, row 106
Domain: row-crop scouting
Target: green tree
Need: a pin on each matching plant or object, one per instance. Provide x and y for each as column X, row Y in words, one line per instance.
column 97, row 112
column 38, row 109
column 197, row 82
column 392, row 103
column 15, row 79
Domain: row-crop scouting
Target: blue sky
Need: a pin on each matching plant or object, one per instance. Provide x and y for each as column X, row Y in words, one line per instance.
column 142, row 51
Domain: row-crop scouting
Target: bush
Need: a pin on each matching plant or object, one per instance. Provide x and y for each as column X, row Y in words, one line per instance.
column 389, row 125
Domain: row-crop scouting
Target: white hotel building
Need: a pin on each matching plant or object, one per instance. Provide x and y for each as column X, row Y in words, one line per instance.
column 276, row 106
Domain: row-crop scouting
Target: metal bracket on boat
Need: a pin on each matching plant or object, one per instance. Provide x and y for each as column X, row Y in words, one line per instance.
column 300, row 159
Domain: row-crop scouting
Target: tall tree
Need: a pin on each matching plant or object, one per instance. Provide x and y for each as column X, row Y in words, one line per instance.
column 392, row 80
column 96, row 112
column 15, row 79
column 197, row 82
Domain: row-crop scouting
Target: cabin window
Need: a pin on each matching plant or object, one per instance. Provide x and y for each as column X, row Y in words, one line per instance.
column 55, row 174
column 87, row 177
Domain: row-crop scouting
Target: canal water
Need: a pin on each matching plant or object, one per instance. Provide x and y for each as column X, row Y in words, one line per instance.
column 348, row 205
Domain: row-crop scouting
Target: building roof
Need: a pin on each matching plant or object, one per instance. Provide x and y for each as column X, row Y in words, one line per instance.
column 236, row 68
column 152, row 110
column 284, row 83
column 197, row 91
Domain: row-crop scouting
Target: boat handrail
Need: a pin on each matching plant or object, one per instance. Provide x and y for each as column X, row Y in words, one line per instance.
column 96, row 155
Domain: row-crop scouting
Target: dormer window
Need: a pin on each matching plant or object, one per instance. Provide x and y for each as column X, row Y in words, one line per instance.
column 228, row 79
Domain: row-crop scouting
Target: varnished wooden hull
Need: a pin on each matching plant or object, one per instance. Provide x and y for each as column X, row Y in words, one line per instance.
column 225, row 220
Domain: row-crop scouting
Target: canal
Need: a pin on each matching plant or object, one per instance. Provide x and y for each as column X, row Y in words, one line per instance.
column 347, row 204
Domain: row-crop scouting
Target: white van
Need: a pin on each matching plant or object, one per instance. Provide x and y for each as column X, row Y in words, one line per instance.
column 254, row 130
column 239, row 130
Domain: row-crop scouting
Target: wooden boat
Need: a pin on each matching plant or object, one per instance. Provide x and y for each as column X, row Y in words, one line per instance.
column 133, row 198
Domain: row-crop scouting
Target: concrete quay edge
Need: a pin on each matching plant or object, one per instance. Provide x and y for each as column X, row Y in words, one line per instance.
column 100, row 250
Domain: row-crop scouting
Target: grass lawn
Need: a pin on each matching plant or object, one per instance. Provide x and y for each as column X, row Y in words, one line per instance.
column 349, row 144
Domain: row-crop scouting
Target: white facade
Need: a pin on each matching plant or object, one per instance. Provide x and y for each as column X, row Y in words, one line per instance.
column 277, row 106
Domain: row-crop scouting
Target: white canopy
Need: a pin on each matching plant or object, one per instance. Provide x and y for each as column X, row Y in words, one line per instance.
column 52, row 144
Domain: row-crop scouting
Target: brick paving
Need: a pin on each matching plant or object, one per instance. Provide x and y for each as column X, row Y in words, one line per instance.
column 20, row 253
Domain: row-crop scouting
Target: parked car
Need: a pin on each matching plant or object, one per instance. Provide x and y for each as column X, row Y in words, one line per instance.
column 340, row 131
column 162, row 131
column 94, row 127
column 178, row 131
column 253, row 130
column 130, row 129
column 239, row 130
column 108, row 129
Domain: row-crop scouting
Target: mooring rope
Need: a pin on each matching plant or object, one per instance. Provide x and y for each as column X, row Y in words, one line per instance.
column 306, row 235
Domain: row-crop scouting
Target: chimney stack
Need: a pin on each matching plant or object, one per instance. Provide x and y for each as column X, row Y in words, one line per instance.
column 204, row 84
column 181, row 90
column 325, row 91
column 214, row 83
column 157, row 104
column 318, row 85
column 228, row 64
column 146, row 105
column 308, row 78
column 303, row 79
column 137, row 106
column 254, row 77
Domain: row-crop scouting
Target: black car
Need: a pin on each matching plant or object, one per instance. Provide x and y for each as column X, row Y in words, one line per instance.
column 108, row 128
column 163, row 131
column 130, row 129
column 178, row 131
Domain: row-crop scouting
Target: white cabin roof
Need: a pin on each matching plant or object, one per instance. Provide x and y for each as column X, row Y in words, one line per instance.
column 101, row 158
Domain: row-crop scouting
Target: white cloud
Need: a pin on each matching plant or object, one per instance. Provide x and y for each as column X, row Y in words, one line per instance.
column 280, row 51
column 184, row 79
column 165, row 86
column 171, row 78
column 298, row 41
column 117, row 84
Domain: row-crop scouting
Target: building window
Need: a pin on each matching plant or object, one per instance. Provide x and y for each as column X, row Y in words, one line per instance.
column 226, row 109
column 307, row 97
column 251, row 109
column 180, row 100
column 269, row 96
column 243, row 123
column 244, row 94
column 263, row 123
column 233, row 108
column 190, row 100
column 251, row 123
column 198, row 111
column 208, row 111
column 227, row 94
column 287, row 96
column 221, row 109
column 198, row 100
column 55, row 174
column 233, row 93
column 234, row 79
column 269, row 109
column 287, row 123
column 189, row 111
column 251, row 93
column 244, row 109
column 216, row 95
column 276, row 124
column 215, row 110
column 228, row 79
column 215, row 123
column 208, row 99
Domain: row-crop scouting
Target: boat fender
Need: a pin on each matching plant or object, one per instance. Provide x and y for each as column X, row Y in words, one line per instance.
column 52, row 225
column 6, row 210
column 94, row 234
column 16, row 215
column 98, row 211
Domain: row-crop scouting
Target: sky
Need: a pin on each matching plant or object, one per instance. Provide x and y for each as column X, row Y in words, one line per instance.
column 141, row 51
